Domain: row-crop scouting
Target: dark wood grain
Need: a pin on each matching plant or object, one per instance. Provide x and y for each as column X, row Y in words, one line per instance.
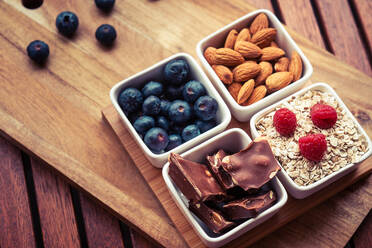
column 55, row 207
column 364, row 10
column 363, row 236
column 261, row 4
column 138, row 241
column 102, row 229
column 343, row 33
column 299, row 16
column 15, row 218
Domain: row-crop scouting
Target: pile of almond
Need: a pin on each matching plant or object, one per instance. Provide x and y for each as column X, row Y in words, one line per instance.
column 251, row 64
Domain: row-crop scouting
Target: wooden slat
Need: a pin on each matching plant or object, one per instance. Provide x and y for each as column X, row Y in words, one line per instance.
column 261, row 4
column 55, row 208
column 363, row 236
column 299, row 16
column 138, row 241
column 364, row 9
column 102, row 229
column 343, row 33
column 15, row 217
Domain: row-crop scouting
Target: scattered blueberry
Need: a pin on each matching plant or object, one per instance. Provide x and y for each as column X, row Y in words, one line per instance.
column 174, row 92
column 205, row 125
column 162, row 122
column 164, row 107
column 190, row 132
column 38, row 51
column 144, row 123
column 67, row 23
column 106, row 34
column 206, row 108
column 32, row 4
column 130, row 100
column 152, row 88
column 151, row 105
column 176, row 71
column 192, row 91
column 174, row 141
column 156, row 139
column 179, row 112
column 105, row 5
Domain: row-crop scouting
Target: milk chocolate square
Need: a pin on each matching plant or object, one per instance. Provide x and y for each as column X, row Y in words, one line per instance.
column 252, row 167
column 194, row 180
column 249, row 207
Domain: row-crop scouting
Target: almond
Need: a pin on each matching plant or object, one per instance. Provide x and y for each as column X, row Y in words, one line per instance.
column 223, row 73
column 258, row 93
column 271, row 53
column 282, row 64
column 244, row 35
column 228, row 57
column 273, row 44
column 234, row 89
column 246, row 71
column 278, row 80
column 260, row 22
column 231, row 38
column 266, row 70
column 209, row 55
column 248, row 49
column 264, row 37
column 295, row 66
column 245, row 91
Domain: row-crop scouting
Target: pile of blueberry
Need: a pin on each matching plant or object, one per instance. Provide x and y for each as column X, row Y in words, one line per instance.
column 169, row 113
column 67, row 23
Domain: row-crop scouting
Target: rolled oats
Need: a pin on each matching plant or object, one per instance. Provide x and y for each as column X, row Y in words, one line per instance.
column 345, row 143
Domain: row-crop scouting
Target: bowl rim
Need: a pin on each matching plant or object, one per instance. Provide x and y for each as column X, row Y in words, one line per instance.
column 325, row 88
column 271, row 16
column 226, row 114
column 176, row 197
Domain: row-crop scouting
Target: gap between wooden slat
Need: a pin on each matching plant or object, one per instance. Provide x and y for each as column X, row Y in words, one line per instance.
column 277, row 10
column 35, row 216
column 125, row 232
column 321, row 26
column 79, row 217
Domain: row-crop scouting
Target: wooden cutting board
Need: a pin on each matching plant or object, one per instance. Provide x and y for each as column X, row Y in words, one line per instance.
column 54, row 112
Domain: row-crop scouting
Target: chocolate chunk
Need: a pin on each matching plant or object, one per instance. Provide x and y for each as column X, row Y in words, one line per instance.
column 215, row 166
column 194, row 180
column 252, row 167
column 212, row 218
column 249, row 207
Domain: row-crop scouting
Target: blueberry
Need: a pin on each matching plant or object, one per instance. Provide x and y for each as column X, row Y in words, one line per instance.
column 151, row 105
column 206, row 108
column 106, row 34
column 174, row 141
column 134, row 116
column 67, row 23
column 193, row 90
column 174, row 92
column 162, row 122
column 176, row 71
column 130, row 100
column 164, row 107
column 179, row 112
column 156, row 139
column 176, row 128
column 152, row 88
column 205, row 125
column 105, row 5
column 190, row 132
column 38, row 51
column 144, row 123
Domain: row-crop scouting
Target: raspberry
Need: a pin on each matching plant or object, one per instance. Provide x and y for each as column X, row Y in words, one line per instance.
column 323, row 116
column 313, row 146
column 285, row 122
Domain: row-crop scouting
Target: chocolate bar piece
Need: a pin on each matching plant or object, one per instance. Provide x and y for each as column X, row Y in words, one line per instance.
column 249, row 207
column 252, row 167
column 215, row 166
column 194, row 180
column 212, row 218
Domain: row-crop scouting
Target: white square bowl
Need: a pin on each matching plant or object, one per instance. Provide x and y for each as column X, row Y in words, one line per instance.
column 283, row 39
column 155, row 73
column 295, row 190
column 232, row 140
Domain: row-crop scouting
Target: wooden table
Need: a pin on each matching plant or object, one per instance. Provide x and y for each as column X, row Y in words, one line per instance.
column 39, row 208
